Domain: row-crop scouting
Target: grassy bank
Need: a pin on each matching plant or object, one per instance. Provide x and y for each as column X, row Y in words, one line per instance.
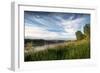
column 72, row 50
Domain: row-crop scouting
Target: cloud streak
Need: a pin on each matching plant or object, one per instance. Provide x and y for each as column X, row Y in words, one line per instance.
column 50, row 25
column 40, row 33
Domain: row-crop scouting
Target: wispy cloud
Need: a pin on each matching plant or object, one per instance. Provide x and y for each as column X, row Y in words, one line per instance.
column 40, row 33
column 72, row 26
column 52, row 25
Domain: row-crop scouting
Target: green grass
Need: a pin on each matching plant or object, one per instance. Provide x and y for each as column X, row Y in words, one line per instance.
column 72, row 50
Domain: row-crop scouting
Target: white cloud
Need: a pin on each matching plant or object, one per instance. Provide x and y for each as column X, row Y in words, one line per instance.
column 71, row 26
column 40, row 33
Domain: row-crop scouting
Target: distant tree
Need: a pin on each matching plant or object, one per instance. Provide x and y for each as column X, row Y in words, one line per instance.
column 87, row 29
column 79, row 35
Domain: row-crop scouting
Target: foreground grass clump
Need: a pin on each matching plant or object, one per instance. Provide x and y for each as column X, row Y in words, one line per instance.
column 73, row 50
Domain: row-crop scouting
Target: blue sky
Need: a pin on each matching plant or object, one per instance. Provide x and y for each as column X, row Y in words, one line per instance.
column 54, row 25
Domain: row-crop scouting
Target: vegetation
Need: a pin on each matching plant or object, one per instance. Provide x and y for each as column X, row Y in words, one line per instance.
column 79, row 49
column 28, row 46
column 87, row 29
column 79, row 35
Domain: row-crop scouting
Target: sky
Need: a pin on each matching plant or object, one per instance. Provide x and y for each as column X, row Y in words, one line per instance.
column 54, row 25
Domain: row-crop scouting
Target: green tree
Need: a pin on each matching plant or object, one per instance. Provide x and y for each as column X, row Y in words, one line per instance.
column 87, row 29
column 79, row 35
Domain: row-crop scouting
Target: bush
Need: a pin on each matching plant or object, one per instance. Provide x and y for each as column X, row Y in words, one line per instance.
column 79, row 35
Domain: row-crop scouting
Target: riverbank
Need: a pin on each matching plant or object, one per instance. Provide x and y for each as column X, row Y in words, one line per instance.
column 71, row 50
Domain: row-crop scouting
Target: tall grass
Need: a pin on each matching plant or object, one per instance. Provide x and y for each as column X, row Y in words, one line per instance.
column 73, row 50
